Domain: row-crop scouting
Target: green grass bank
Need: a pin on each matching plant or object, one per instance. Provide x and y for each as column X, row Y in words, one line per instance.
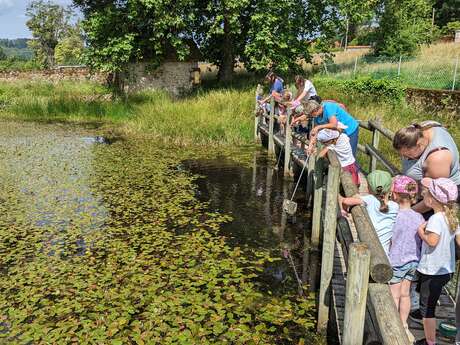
column 210, row 116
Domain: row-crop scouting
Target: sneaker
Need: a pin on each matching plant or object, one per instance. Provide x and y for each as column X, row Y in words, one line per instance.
column 421, row 342
column 410, row 336
column 416, row 316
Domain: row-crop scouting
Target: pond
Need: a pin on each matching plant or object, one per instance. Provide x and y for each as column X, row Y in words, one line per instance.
column 143, row 243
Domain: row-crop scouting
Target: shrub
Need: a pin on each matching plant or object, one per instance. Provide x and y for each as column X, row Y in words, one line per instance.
column 377, row 89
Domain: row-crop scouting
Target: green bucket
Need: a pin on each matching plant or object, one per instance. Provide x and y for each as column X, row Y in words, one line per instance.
column 447, row 329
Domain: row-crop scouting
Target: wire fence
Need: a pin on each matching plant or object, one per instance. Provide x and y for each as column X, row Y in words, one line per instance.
column 441, row 74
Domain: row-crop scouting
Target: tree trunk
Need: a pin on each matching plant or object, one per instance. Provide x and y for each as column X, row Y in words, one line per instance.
column 226, row 64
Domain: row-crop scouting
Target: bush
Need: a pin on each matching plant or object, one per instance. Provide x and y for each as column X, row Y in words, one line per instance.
column 378, row 90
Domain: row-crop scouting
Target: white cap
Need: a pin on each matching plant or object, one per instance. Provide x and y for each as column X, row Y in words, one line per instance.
column 325, row 135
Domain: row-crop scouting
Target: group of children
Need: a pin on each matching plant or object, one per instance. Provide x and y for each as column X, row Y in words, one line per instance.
column 420, row 248
column 419, row 251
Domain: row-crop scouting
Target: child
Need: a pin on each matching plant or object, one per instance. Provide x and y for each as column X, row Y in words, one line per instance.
column 437, row 262
column 287, row 97
column 405, row 246
column 340, row 144
column 299, row 120
column 381, row 210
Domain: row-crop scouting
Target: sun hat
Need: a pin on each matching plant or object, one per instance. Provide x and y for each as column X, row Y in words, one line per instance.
column 442, row 189
column 404, row 184
column 311, row 106
column 379, row 178
column 326, row 135
column 299, row 109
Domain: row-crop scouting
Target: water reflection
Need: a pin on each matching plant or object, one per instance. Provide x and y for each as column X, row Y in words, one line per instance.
column 254, row 197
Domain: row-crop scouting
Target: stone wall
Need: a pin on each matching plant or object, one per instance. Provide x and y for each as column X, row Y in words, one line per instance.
column 435, row 100
column 174, row 77
column 56, row 75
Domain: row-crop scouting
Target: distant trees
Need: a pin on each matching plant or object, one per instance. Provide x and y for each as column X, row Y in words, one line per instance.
column 49, row 23
column 2, row 54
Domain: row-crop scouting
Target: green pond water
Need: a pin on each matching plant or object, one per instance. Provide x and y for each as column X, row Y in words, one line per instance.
column 137, row 243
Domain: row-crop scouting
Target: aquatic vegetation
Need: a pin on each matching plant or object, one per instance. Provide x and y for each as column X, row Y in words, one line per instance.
column 107, row 244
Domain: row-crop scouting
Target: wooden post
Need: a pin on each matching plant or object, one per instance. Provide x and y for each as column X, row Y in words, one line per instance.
column 356, row 294
column 256, row 117
column 329, row 234
column 386, row 316
column 317, row 203
column 311, row 167
column 271, row 142
column 375, row 143
column 287, row 146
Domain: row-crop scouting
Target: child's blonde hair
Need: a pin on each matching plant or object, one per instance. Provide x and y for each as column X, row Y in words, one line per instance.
column 451, row 212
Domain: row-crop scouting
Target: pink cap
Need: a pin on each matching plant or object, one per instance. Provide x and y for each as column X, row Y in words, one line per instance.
column 442, row 189
column 404, row 184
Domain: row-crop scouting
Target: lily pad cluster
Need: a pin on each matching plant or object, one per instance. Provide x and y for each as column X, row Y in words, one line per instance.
column 107, row 244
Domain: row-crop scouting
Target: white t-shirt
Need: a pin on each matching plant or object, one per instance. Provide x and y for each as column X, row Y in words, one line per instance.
column 342, row 149
column 309, row 89
column 383, row 222
column 441, row 258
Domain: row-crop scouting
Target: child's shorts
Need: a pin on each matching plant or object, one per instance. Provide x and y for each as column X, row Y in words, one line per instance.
column 430, row 288
column 407, row 271
column 354, row 171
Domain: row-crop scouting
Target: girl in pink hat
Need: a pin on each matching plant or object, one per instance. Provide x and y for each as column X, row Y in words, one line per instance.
column 437, row 262
column 404, row 253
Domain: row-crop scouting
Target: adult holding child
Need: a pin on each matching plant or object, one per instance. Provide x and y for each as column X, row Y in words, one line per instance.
column 327, row 115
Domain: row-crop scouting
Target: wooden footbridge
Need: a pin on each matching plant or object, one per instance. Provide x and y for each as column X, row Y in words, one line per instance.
column 354, row 302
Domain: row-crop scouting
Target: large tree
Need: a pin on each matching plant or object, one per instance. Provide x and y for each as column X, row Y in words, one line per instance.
column 446, row 11
column 403, row 27
column 49, row 23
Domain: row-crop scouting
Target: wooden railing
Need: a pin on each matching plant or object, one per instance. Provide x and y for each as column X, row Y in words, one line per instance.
column 368, row 300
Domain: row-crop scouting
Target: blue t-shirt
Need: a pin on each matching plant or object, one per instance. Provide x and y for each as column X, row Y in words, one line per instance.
column 383, row 222
column 277, row 86
column 331, row 109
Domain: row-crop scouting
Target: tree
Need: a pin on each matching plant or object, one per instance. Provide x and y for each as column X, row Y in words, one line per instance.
column 403, row 27
column 49, row 23
column 446, row 11
column 69, row 50
column 2, row 55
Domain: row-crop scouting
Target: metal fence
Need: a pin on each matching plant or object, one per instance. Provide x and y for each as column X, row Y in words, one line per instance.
column 441, row 74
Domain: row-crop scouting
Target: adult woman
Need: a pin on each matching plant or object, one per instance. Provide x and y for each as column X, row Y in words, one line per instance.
column 305, row 90
column 428, row 150
column 328, row 115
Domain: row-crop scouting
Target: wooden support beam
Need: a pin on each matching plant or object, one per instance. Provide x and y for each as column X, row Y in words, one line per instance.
column 381, row 305
column 380, row 269
column 287, row 146
column 378, row 156
column 329, row 234
column 385, row 131
column 271, row 143
column 317, row 202
column 375, row 143
column 356, row 294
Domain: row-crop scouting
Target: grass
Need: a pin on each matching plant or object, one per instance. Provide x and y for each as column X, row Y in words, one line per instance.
column 213, row 115
column 210, row 116
column 433, row 67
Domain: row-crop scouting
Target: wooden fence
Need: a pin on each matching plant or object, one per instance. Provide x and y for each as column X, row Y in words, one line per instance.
column 369, row 305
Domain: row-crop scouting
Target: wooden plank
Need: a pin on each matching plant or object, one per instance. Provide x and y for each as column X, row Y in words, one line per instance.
column 380, row 302
column 381, row 270
column 356, row 294
column 330, row 225
column 256, row 117
column 377, row 155
column 375, row 144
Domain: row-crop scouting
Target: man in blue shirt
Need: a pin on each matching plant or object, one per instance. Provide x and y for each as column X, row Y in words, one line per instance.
column 276, row 89
column 328, row 115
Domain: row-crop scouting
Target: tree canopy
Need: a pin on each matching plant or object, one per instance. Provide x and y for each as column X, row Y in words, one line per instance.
column 49, row 23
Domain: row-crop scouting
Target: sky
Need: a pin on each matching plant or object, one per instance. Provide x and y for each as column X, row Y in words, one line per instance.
column 13, row 19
